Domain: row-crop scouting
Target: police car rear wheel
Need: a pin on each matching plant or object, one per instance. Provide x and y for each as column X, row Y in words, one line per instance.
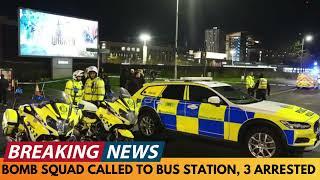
column 148, row 124
column 263, row 143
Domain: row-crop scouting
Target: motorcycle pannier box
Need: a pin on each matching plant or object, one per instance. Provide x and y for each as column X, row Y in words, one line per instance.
column 9, row 122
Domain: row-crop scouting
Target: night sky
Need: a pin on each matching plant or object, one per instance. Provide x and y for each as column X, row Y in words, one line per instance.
column 274, row 22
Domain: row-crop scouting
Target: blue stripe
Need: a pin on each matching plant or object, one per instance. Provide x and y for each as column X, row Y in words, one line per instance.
column 211, row 128
column 290, row 136
column 181, row 108
column 156, row 101
column 237, row 115
column 192, row 112
column 148, row 101
column 226, row 115
column 250, row 115
column 170, row 121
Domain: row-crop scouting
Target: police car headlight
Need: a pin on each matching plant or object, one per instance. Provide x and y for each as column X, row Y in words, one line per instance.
column 296, row 125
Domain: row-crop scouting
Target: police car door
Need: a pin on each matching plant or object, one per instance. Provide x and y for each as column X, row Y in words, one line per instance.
column 170, row 106
column 209, row 118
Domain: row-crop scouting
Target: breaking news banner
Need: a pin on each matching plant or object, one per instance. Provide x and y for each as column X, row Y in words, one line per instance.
column 122, row 160
column 84, row 152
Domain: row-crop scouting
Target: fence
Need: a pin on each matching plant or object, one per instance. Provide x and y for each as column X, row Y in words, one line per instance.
column 35, row 70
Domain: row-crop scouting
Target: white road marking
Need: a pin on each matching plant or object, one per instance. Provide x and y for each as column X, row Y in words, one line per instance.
column 280, row 92
column 272, row 84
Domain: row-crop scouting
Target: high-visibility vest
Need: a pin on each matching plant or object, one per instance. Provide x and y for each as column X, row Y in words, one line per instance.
column 263, row 83
column 94, row 90
column 250, row 82
column 71, row 85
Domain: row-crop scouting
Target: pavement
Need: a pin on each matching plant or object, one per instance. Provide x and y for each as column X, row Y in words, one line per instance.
column 183, row 145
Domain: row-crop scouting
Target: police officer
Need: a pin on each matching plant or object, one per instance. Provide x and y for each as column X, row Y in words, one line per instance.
column 94, row 89
column 4, row 85
column 262, row 86
column 74, row 87
column 250, row 84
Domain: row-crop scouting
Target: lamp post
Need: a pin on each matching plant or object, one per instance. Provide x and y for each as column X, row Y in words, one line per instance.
column 307, row 38
column 176, row 43
column 145, row 38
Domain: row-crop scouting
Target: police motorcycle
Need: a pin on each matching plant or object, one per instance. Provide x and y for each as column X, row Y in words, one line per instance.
column 49, row 117
column 112, row 120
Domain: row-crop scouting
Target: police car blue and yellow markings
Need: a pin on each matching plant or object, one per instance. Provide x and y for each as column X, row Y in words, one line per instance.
column 289, row 136
column 224, row 121
column 195, row 117
column 199, row 118
column 149, row 102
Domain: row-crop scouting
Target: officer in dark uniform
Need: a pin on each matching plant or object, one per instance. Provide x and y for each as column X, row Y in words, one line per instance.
column 262, row 87
column 4, row 85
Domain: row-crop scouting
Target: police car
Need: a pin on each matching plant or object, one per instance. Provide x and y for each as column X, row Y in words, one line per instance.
column 217, row 110
column 307, row 80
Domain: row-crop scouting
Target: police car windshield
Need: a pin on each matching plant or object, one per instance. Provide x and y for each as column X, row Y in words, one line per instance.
column 234, row 95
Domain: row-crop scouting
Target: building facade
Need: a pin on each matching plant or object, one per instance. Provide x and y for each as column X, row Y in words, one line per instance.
column 236, row 46
column 214, row 40
column 131, row 53
column 253, row 49
column 243, row 47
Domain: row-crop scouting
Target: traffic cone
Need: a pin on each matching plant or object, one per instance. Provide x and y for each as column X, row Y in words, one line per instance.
column 37, row 91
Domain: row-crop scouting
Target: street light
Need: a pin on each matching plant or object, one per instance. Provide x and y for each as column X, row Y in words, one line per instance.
column 145, row 38
column 307, row 38
column 176, row 43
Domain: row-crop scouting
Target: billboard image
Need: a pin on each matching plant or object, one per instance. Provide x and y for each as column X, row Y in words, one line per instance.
column 43, row 34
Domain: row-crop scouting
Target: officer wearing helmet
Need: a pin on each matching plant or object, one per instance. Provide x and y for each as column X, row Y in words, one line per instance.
column 74, row 87
column 94, row 89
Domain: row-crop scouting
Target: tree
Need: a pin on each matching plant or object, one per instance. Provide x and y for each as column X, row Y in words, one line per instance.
column 295, row 49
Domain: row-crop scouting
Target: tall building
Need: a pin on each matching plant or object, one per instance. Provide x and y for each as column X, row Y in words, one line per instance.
column 214, row 40
column 236, row 46
column 253, row 49
column 241, row 46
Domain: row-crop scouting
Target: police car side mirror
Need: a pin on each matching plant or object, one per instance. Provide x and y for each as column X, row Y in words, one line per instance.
column 215, row 100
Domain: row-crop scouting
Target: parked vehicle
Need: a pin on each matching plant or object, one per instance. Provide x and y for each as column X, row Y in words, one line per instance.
column 110, row 121
column 52, row 118
column 217, row 110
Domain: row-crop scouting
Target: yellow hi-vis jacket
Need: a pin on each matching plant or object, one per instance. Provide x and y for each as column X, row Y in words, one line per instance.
column 263, row 83
column 94, row 90
column 250, row 82
column 71, row 85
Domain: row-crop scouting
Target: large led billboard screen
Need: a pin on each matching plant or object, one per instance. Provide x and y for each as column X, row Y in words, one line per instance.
column 50, row 35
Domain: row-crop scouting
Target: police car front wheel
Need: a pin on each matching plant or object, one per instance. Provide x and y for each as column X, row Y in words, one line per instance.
column 263, row 143
column 148, row 125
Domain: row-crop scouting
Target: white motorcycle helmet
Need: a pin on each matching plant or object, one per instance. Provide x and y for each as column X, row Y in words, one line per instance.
column 92, row 68
column 77, row 73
